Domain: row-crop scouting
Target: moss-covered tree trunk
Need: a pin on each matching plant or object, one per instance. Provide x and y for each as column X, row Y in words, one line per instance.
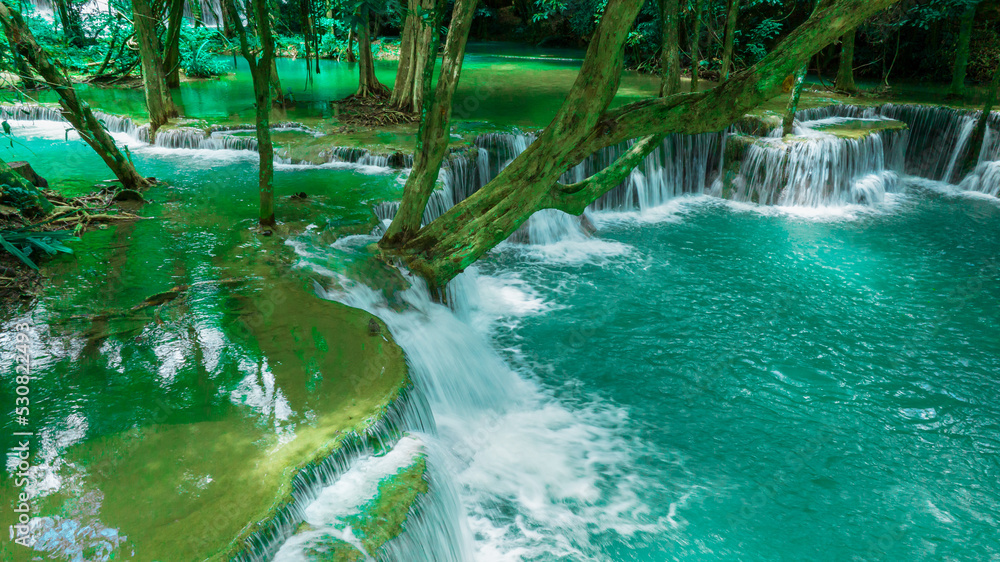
column 158, row 101
column 788, row 121
column 172, row 43
column 962, row 50
column 260, row 70
column 696, row 44
column 76, row 111
column 732, row 13
column 368, row 84
column 434, row 132
column 23, row 69
column 419, row 30
column 670, row 47
column 585, row 124
column 196, row 13
column 845, row 71
column 979, row 131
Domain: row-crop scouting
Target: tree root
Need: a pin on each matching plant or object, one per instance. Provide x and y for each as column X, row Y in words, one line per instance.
column 372, row 111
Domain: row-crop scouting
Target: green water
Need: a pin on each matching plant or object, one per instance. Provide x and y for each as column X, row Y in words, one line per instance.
column 728, row 383
column 160, row 432
column 792, row 388
column 502, row 84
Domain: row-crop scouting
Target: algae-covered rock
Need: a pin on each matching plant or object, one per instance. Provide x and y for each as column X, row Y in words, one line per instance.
column 859, row 128
column 382, row 519
column 16, row 191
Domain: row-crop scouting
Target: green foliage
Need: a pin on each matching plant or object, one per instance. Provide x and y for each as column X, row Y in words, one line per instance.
column 198, row 49
column 22, row 242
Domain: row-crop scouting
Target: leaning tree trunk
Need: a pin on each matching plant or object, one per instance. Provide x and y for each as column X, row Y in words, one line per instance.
column 172, row 47
column 23, row 69
column 434, row 133
column 414, row 55
column 727, row 48
column 261, row 72
column 368, row 84
column 962, row 52
column 585, row 124
column 77, row 112
column 670, row 54
column 979, row 131
column 158, row 102
column 845, row 73
column 696, row 45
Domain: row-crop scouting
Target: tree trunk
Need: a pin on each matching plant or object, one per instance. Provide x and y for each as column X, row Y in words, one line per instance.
column 962, row 52
column 315, row 31
column 261, row 72
column 306, row 38
column 584, row 125
column 158, row 102
column 265, row 148
column 979, row 132
column 70, row 23
column 172, row 48
column 228, row 29
column 277, row 93
column 368, row 84
column 197, row 13
column 670, row 53
column 24, row 70
column 350, row 46
column 696, row 45
column 727, row 48
column 793, row 100
column 845, row 73
column 434, row 133
column 414, row 55
column 77, row 112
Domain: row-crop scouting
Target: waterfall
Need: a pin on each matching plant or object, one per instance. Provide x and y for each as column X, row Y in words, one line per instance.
column 30, row 112
column 820, row 169
column 682, row 164
column 985, row 178
column 211, row 12
column 513, row 472
column 938, row 140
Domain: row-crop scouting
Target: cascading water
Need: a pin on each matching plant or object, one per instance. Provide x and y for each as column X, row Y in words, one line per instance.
column 211, row 12
column 938, row 140
column 820, row 169
column 985, row 178
column 516, row 472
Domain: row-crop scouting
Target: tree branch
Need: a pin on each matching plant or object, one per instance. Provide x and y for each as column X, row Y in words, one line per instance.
column 575, row 197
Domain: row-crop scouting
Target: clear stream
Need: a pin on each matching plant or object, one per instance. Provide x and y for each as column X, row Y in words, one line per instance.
column 703, row 379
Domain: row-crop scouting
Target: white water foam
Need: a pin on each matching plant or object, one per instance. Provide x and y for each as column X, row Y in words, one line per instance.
column 533, row 476
column 329, row 512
